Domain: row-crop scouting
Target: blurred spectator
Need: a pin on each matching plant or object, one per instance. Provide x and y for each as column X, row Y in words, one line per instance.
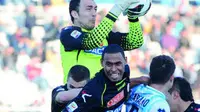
column 22, row 60
column 46, row 2
column 168, row 41
column 33, row 69
column 30, row 17
column 9, row 59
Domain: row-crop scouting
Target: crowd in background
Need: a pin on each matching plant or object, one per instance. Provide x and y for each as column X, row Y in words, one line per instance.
column 30, row 64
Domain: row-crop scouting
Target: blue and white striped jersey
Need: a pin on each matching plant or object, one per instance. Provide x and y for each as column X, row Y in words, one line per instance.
column 144, row 98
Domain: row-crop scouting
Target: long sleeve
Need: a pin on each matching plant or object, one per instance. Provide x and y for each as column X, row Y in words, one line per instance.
column 128, row 41
column 88, row 99
column 134, row 38
column 96, row 36
column 78, row 38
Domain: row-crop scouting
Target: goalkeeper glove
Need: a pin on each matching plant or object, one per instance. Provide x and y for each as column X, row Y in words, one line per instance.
column 136, row 10
column 121, row 6
column 131, row 15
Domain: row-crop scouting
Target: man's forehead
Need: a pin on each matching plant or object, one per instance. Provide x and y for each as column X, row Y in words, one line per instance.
column 74, row 83
column 113, row 56
column 89, row 3
column 113, row 61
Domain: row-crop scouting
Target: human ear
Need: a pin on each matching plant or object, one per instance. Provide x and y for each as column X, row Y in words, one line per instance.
column 126, row 59
column 74, row 14
column 101, row 62
column 175, row 95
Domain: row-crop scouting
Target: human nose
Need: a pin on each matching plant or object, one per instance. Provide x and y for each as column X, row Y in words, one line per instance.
column 94, row 13
column 113, row 68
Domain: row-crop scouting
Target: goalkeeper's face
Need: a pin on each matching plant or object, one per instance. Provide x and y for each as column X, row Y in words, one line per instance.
column 87, row 14
column 114, row 65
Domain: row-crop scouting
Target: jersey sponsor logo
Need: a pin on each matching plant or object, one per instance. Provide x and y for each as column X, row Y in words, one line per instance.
column 97, row 51
column 75, row 34
column 116, row 99
column 161, row 110
column 72, row 106
column 140, row 100
column 118, row 109
column 84, row 94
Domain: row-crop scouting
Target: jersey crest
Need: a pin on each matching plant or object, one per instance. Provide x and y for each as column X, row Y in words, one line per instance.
column 75, row 34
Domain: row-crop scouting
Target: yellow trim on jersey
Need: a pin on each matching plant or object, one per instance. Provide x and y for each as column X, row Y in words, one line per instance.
column 120, row 82
column 104, row 90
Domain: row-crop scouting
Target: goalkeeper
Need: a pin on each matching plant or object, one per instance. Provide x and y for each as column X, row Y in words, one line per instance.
column 83, row 43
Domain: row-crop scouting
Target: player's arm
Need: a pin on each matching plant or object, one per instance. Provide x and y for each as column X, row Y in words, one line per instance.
column 160, row 106
column 93, row 38
column 134, row 38
column 55, row 92
column 65, row 96
column 54, row 103
column 139, row 80
column 86, row 100
column 96, row 36
column 75, row 38
column 131, row 40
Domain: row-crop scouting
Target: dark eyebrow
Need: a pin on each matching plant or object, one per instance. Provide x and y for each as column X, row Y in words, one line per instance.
column 90, row 6
column 71, row 86
column 75, row 87
column 114, row 62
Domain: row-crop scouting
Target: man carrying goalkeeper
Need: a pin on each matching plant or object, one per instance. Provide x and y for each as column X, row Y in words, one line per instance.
column 83, row 43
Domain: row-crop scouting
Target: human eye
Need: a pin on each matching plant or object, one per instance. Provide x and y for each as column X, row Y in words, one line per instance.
column 89, row 8
column 108, row 64
column 118, row 63
column 71, row 86
column 95, row 8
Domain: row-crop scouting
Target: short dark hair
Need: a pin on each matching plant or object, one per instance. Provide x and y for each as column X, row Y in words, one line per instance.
column 113, row 48
column 162, row 68
column 73, row 5
column 183, row 87
column 79, row 73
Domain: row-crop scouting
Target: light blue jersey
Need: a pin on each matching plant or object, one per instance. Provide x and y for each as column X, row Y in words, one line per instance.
column 144, row 98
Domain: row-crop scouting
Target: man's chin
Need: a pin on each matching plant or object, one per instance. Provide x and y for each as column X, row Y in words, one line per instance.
column 92, row 27
column 115, row 79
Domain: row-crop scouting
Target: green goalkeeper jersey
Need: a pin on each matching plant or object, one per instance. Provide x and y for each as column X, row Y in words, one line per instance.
column 79, row 46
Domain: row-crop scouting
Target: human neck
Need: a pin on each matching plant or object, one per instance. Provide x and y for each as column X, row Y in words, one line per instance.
column 83, row 28
column 160, row 87
column 183, row 106
column 76, row 24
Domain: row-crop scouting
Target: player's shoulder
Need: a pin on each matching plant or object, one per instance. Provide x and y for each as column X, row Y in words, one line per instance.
column 160, row 106
column 138, row 87
column 59, row 88
column 97, row 81
column 196, row 106
column 96, row 85
column 70, row 29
